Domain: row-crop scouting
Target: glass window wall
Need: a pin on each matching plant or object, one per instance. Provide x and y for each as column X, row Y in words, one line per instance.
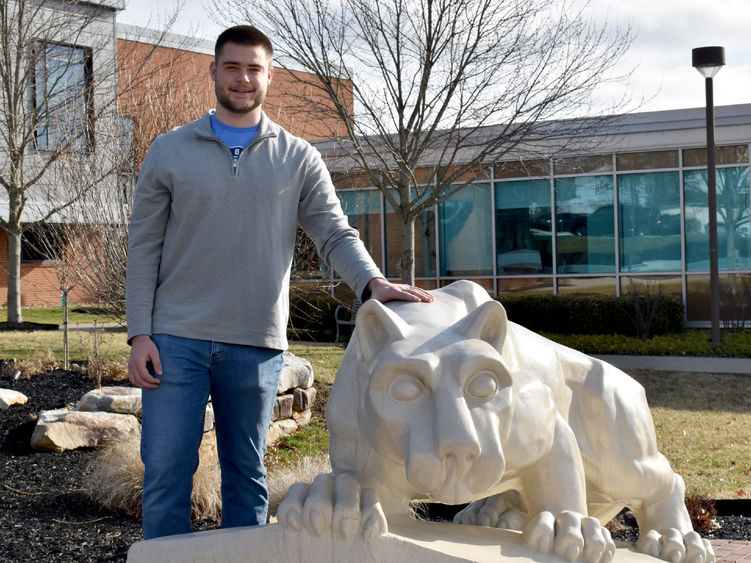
column 424, row 243
column 523, row 229
column 363, row 211
column 586, row 286
column 647, row 160
column 733, row 221
column 585, row 225
column 649, row 222
column 464, row 222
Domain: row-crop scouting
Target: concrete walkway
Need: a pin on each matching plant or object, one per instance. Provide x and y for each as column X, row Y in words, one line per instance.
column 680, row 363
column 105, row 327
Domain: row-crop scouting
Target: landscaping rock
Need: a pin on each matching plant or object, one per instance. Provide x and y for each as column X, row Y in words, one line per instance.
column 282, row 407
column 297, row 372
column 10, row 397
column 279, row 429
column 124, row 400
column 62, row 429
column 303, row 399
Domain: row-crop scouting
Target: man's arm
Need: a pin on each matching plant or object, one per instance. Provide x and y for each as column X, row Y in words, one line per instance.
column 339, row 245
column 145, row 239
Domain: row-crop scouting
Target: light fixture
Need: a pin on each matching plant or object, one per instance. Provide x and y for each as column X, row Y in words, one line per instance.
column 708, row 61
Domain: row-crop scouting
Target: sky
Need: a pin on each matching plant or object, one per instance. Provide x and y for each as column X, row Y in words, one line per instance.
column 665, row 33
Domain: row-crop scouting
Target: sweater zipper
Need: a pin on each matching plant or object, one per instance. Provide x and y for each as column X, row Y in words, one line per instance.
column 235, row 162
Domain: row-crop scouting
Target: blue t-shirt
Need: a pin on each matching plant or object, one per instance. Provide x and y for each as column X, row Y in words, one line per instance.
column 236, row 138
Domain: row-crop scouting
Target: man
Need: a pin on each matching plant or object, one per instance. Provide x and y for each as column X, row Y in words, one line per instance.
column 211, row 242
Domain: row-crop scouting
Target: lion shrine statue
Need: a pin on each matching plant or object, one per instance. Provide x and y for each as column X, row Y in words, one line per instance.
column 449, row 401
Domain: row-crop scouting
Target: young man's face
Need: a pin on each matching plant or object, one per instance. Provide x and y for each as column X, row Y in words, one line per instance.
column 241, row 76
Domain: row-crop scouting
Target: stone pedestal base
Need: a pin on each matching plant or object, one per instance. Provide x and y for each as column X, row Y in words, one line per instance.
column 408, row 540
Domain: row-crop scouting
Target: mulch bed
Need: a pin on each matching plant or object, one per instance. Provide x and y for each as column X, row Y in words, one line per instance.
column 45, row 514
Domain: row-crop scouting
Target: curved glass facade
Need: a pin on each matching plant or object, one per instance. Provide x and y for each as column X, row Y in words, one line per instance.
column 593, row 224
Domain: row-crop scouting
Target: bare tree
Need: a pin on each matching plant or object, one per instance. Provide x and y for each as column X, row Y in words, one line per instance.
column 438, row 89
column 163, row 90
column 58, row 98
column 48, row 90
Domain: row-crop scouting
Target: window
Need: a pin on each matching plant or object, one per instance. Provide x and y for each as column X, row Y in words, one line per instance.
column 733, row 219
column 585, row 225
column 424, row 252
column 62, row 96
column 363, row 211
column 649, row 222
column 523, row 227
column 464, row 222
column 42, row 243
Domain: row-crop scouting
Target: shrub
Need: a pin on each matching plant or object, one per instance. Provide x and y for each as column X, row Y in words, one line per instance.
column 311, row 317
column 590, row 314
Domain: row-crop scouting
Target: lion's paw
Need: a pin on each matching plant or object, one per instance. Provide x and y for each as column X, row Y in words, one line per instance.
column 492, row 511
column 571, row 536
column 332, row 504
column 673, row 546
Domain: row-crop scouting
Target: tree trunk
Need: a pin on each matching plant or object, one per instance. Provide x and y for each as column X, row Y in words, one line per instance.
column 408, row 251
column 14, row 276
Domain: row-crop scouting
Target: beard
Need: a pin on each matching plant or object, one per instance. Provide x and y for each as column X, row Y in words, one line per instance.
column 224, row 99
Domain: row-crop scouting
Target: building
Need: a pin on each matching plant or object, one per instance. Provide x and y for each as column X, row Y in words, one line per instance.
column 58, row 93
column 630, row 209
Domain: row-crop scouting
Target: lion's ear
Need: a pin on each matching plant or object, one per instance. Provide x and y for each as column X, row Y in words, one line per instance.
column 376, row 326
column 488, row 322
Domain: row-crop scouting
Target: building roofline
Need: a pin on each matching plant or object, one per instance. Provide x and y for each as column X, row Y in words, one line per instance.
column 164, row 39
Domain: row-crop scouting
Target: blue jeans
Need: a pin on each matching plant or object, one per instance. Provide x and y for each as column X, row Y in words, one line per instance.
column 242, row 382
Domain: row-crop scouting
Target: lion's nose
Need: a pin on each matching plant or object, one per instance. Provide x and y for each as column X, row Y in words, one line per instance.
column 457, row 438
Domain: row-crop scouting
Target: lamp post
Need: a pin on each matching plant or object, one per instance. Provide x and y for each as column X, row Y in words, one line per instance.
column 708, row 61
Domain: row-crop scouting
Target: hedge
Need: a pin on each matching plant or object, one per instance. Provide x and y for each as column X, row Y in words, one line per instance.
column 590, row 314
column 312, row 315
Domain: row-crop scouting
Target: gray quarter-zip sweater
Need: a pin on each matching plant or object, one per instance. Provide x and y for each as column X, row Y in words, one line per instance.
column 211, row 243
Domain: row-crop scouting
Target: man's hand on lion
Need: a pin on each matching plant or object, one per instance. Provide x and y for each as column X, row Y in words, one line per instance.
column 383, row 290
column 332, row 503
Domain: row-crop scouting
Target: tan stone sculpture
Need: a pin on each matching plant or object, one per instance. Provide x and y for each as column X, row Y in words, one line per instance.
column 450, row 401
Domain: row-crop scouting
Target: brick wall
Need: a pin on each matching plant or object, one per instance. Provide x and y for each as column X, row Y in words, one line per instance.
column 39, row 285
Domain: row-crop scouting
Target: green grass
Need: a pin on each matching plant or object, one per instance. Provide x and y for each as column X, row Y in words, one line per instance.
column 324, row 358
column 54, row 315
column 310, row 441
column 15, row 345
column 703, row 425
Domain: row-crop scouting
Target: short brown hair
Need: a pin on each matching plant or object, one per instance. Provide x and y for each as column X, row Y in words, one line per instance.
column 243, row 35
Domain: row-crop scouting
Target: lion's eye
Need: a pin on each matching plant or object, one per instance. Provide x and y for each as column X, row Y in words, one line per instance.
column 405, row 388
column 483, row 385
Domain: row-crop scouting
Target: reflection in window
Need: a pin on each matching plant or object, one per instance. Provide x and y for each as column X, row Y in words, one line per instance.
column 424, row 242
column 585, row 228
column 465, row 232
column 62, row 96
column 523, row 227
column 363, row 211
column 584, row 164
column 43, row 242
column 733, row 154
column 649, row 221
column 586, row 286
column 733, row 221
column 647, row 160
